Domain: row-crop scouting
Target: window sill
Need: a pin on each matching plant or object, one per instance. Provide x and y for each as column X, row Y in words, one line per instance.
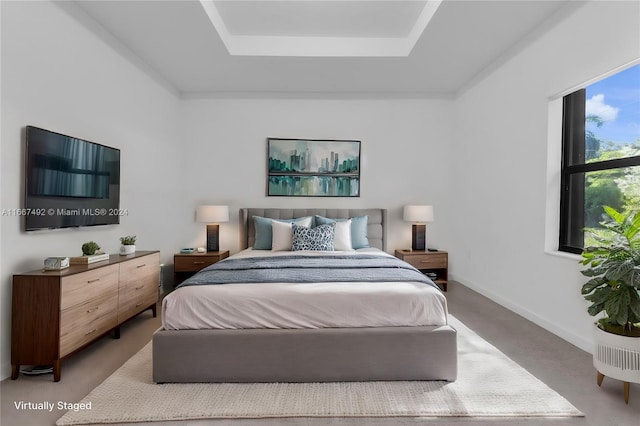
column 563, row 254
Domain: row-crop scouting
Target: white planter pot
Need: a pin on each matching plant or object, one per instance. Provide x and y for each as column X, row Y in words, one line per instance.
column 617, row 356
column 125, row 250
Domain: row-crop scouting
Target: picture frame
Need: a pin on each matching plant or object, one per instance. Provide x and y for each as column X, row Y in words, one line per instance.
column 313, row 167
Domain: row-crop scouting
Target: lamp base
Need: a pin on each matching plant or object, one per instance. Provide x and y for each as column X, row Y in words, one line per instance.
column 213, row 237
column 418, row 237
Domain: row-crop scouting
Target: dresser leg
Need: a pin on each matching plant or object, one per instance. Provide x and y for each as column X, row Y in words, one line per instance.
column 116, row 332
column 15, row 371
column 626, row 392
column 56, row 370
column 154, row 310
column 600, row 378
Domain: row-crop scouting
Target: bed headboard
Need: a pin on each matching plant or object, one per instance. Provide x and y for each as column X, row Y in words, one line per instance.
column 376, row 223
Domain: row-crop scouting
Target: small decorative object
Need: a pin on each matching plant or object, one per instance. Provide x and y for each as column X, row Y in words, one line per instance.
column 614, row 289
column 419, row 215
column 85, row 260
column 90, row 248
column 128, row 245
column 313, row 168
column 90, row 253
column 56, row 263
column 212, row 216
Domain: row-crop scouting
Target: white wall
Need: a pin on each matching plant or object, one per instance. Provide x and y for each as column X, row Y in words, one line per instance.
column 500, row 171
column 58, row 75
column 404, row 156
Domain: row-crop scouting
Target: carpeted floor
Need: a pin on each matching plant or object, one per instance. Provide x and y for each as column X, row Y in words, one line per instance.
column 489, row 384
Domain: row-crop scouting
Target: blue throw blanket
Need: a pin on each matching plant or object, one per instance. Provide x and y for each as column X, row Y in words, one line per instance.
column 308, row 269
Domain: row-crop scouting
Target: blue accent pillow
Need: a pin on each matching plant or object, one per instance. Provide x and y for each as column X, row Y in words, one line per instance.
column 359, row 237
column 264, row 231
column 319, row 238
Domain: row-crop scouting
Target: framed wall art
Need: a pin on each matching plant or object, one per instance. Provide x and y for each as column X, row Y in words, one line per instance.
column 313, row 168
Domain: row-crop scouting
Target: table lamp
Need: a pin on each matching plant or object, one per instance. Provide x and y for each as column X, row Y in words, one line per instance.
column 212, row 216
column 419, row 216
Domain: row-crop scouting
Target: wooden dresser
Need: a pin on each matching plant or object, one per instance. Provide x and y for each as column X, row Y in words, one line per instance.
column 55, row 313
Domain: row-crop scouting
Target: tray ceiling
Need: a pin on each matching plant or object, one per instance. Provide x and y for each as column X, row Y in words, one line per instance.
column 405, row 48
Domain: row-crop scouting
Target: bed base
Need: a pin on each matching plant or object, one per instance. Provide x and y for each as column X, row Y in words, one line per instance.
column 305, row 355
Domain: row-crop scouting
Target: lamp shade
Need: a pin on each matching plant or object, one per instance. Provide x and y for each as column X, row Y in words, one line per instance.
column 212, row 214
column 419, row 214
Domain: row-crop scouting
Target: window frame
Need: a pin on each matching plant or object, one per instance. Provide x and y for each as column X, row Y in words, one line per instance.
column 573, row 165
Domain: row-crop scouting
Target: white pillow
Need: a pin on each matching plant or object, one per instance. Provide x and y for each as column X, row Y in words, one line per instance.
column 342, row 236
column 282, row 233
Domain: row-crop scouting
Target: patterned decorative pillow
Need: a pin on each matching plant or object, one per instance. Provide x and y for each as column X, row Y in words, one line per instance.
column 319, row 238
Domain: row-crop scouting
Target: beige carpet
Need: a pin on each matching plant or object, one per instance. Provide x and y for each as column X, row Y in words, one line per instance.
column 489, row 384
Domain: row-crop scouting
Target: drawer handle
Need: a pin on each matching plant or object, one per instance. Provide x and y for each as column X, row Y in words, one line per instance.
column 93, row 310
column 198, row 263
column 91, row 332
column 93, row 281
column 139, row 288
column 138, row 305
column 141, row 266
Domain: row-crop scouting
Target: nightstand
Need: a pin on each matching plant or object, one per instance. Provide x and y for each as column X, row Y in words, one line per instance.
column 428, row 261
column 185, row 265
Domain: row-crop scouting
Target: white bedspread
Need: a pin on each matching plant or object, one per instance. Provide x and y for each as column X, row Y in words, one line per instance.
column 312, row 305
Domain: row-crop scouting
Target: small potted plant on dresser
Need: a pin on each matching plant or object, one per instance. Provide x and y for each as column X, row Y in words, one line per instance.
column 614, row 289
column 127, row 245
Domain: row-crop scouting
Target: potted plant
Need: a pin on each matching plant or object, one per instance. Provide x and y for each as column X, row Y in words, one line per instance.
column 128, row 245
column 614, row 290
column 90, row 248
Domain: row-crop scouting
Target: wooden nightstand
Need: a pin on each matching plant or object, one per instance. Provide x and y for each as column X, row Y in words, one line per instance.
column 428, row 261
column 185, row 265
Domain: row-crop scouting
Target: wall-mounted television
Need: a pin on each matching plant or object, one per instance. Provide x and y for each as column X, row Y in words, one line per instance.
column 69, row 182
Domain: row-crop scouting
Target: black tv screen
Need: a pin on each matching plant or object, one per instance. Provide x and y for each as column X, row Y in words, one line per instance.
column 69, row 182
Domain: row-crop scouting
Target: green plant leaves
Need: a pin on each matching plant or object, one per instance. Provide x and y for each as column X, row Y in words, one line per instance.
column 592, row 285
column 90, row 248
column 619, row 218
column 613, row 265
column 618, row 270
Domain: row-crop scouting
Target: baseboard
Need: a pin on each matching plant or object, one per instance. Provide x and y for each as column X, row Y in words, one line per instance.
column 575, row 339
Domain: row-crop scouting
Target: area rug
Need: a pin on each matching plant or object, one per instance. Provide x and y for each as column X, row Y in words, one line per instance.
column 489, row 385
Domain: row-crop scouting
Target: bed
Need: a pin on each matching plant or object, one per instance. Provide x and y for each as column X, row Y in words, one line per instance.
column 235, row 341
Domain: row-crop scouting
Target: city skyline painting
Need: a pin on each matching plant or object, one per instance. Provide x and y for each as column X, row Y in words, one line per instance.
column 313, row 168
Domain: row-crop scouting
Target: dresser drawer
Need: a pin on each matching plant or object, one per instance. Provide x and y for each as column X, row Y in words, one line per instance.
column 193, row 263
column 83, row 323
column 427, row 261
column 146, row 268
column 79, row 288
column 142, row 288
column 134, row 304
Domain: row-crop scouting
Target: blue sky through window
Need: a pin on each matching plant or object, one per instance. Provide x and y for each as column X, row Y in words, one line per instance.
column 616, row 100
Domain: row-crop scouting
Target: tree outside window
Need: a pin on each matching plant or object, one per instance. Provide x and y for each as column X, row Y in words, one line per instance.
column 601, row 155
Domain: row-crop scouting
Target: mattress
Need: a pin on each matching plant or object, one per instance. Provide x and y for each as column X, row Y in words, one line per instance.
column 286, row 305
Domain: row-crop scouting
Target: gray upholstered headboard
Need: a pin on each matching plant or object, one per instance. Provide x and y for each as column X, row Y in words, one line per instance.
column 376, row 223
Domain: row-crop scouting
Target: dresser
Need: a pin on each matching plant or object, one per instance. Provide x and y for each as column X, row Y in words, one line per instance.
column 55, row 313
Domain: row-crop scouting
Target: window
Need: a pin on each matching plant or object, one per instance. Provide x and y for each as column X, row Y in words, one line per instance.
column 600, row 155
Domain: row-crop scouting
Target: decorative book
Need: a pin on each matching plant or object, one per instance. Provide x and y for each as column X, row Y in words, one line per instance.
column 84, row 260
